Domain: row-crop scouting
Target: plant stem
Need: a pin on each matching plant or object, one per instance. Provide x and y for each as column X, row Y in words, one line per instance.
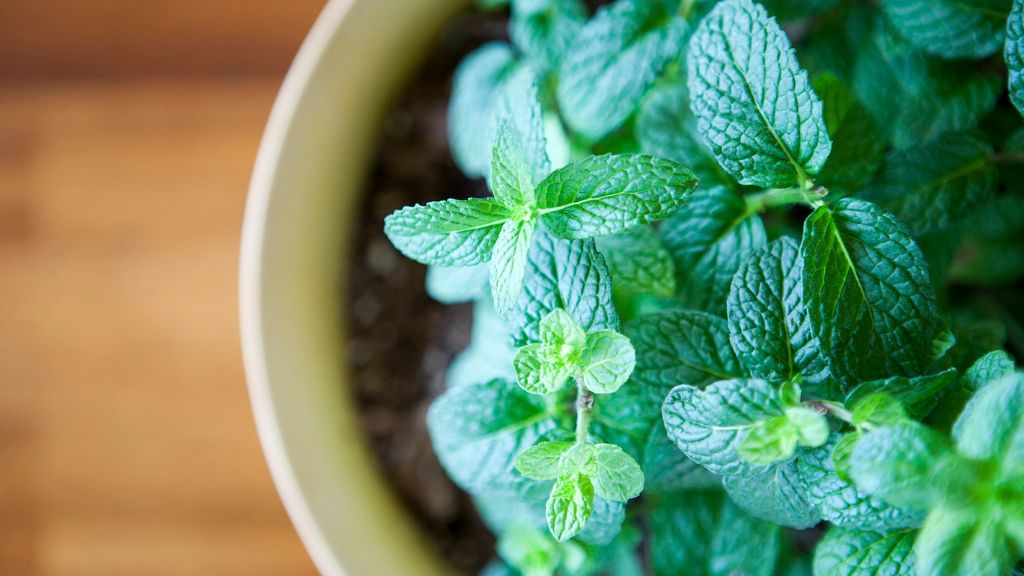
column 685, row 7
column 776, row 197
column 837, row 410
column 584, row 412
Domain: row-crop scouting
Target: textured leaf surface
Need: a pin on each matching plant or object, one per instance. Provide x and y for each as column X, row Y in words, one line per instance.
column 918, row 395
column 508, row 264
column 478, row 430
column 708, row 239
column 709, row 425
column 754, row 105
column 989, row 368
column 476, row 91
column 865, row 553
column 603, row 195
column 447, row 232
column 607, row 361
column 616, row 59
column 666, row 469
column 546, row 32
column 639, row 263
column 617, row 476
column 935, row 186
column 951, row 28
column 520, row 126
column 541, row 461
column 774, row 494
column 1014, row 54
column 768, row 323
column 569, row 506
column 867, row 292
column 843, row 504
column 570, row 275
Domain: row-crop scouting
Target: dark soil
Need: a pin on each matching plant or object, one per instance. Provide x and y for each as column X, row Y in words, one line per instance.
column 401, row 340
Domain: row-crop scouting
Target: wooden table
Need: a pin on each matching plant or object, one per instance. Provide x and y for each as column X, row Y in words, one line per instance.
column 126, row 441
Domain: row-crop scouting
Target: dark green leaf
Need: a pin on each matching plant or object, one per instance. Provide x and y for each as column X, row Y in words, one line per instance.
column 918, row 395
column 865, row 553
column 639, row 263
column 951, row 28
column 1014, row 54
column 858, row 145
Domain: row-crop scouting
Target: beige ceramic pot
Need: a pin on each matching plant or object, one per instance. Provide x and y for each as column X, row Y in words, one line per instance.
column 302, row 201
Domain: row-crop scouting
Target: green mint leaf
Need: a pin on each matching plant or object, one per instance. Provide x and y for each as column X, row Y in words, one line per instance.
column 954, row 100
column 899, row 464
column 867, row 292
column 708, row 240
column 476, row 89
column 948, row 28
column 768, row 441
column 607, row 361
column 992, row 253
column 1014, row 54
column 935, row 186
column 774, row 494
column 743, row 545
column 711, row 425
column 537, row 373
column 479, row 429
column 520, row 145
column 811, row 426
column 666, row 469
column 455, row 284
column 542, row 461
column 545, row 30
column 876, row 409
column 989, row 368
column 858, row 144
column 639, row 263
column 840, row 502
column 616, row 476
column 666, row 128
column 569, row 506
column 603, row 195
column 570, row 275
column 991, row 426
column 511, row 180
column 843, row 449
column 959, row 543
column 580, row 458
column 528, row 550
column 448, row 232
column 614, row 61
column 865, row 553
column 489, row 354
column 761, row 134
column 605, row 522
column 918, row 395
column 508, row 264
column 768, row 323
column 559, row 329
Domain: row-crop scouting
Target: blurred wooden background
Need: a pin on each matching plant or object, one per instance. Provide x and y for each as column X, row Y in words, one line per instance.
column 127, row 134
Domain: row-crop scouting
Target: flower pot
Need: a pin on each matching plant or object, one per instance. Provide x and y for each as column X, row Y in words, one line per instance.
column 305, row 186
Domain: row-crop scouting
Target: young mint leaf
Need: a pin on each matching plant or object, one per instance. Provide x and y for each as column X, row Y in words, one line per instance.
column 607, row 361
column 899, row 464
column 559, row 329
column 989, row 368
column 614, row 61
column 606, row 522
column 768, row 323
column 666, row 128
column 616, row 476
column 448, row 232
column 846, row 552
column 529, row 551
column 932, row 187
column 508, row 264
column 520, row 147
column 542, row 460
column 768, row 441
column 811, row 426
column 511, row 180
column 991, row 426
column 545, row 30
column 858, row 144
column 876, row 409
column 666, row 469
column 478, row 430
column 841, row 503
column 569, row 506
column 570, row 275
column 867, row 292
column 639, row 263
column 708, row 240
column 918, row 395
column 774, row 494
column 951, row 29
column 711, row 425
column 1014, row 54
column 476, row 91
column 764, row 135
column 537, row 373
column 957, row 543
column 455, row 284
column 603, row 195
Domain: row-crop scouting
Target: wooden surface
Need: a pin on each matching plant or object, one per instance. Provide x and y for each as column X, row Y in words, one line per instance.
column 126, row 442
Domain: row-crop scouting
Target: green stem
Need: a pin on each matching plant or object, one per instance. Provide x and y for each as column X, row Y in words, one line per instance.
column 777, row 197
column 685, row 7
column 584, row 413
column 837, row 410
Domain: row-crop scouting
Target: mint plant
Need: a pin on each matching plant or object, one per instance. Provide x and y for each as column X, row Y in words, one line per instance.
column 741, row 291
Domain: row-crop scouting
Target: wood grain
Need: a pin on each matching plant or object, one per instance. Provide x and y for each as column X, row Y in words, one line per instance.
column 126, row 441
